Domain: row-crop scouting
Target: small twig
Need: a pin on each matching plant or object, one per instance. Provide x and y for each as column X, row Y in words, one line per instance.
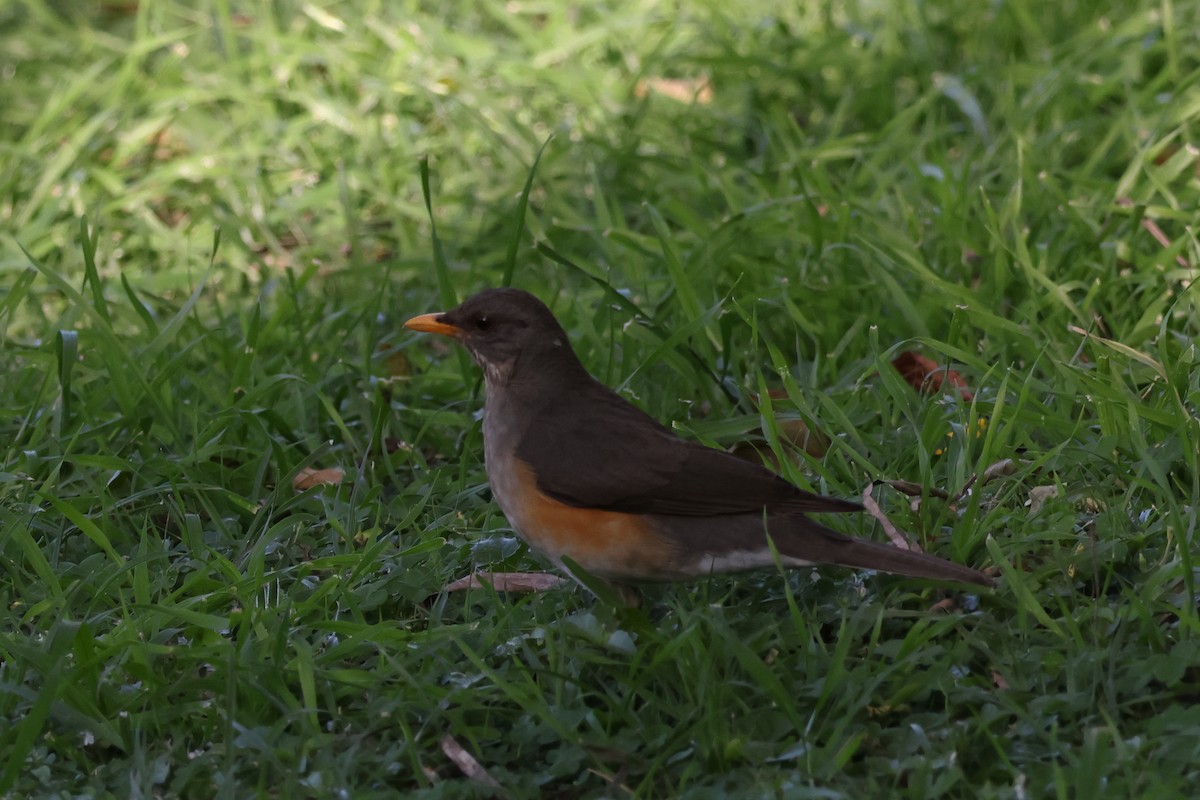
column 507, row 582
column 466, row 762
column 898, row 538
column 1152, row 228
column 965, row 489
column 917, row 490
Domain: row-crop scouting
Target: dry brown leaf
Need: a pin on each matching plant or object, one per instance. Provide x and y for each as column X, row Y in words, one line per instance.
column 796, row 431
column 1000, row 469
column 872, row 508
column 684, row 90
column 755, row 453
column 1038, row 496
column 307, row 478
column 507, row 582
column 924, row 375
column 815, row 443
column 946, row 604
column 466, row 762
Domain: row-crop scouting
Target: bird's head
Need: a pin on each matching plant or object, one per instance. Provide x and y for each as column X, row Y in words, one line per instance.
column 504, row 330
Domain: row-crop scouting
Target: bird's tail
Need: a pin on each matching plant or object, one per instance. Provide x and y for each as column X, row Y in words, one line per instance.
column 806, row 540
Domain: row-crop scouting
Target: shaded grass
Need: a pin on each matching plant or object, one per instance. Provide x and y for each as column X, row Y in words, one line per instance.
column 218, row 222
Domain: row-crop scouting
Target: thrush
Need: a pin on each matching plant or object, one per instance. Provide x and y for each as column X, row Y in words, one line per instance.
column 586, row 478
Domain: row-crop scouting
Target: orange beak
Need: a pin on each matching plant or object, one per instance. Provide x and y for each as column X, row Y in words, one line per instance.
column 428, row 323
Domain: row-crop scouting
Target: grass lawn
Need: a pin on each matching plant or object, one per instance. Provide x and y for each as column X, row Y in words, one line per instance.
column 217, row 215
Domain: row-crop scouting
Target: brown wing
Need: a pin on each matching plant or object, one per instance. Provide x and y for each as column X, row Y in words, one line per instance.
column 614, row 456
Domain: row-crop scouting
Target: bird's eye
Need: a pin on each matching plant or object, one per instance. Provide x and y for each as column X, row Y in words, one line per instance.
column 482, row 323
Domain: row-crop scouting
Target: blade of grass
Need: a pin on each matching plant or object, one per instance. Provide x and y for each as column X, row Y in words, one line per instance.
column 514, row 240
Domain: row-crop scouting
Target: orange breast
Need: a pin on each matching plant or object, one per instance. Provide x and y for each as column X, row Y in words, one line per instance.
column 608, row 544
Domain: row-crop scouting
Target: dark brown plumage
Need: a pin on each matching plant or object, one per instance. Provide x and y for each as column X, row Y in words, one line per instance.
column 582, row 474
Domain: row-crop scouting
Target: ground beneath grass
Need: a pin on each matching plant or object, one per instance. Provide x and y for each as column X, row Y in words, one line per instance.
column 217, row 215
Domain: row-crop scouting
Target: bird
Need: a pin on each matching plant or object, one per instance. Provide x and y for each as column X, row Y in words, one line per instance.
column 588, row 480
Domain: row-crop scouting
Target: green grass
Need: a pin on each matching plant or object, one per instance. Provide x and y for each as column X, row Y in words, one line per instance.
column 214, row 225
